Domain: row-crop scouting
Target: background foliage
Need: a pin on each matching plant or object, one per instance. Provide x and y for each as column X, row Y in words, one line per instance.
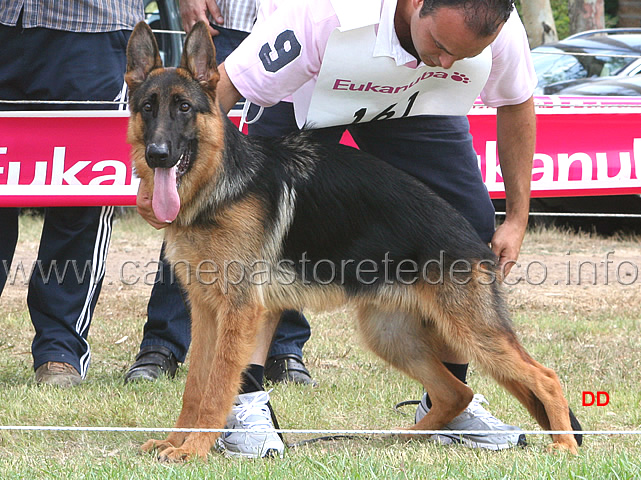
column 562, row 19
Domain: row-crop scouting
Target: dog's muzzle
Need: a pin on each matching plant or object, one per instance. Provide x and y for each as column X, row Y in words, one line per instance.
column 158, row 156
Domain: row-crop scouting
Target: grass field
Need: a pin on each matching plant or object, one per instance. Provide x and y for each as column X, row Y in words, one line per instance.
column 574, row 312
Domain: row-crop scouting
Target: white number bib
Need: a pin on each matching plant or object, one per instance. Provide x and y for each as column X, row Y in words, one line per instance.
column 353, row 86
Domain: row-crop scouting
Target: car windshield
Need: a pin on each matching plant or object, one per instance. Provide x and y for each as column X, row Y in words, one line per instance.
column 552, row 65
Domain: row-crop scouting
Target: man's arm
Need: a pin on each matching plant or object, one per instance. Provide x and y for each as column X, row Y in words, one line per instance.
column 516, row 137
column 226, row 93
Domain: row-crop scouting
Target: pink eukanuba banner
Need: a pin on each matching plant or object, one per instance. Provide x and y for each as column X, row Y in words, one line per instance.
column 585, row 146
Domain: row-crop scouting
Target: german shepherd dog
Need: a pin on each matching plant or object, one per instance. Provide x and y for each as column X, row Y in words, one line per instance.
column 262, row 225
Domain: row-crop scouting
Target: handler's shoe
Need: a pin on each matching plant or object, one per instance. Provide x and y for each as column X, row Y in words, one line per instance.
column 152, row 362
column 475, row 417
column 59, row 374
column 251, row 412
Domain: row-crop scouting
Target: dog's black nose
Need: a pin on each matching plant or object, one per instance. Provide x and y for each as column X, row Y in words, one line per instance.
column 158, row 155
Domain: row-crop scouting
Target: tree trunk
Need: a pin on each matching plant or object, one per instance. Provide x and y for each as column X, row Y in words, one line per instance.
column 586, row 15
column 539, row 22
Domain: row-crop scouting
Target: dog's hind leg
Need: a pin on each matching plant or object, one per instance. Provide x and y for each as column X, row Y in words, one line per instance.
column 473, row 316
column 413, row 346
column 538, row 388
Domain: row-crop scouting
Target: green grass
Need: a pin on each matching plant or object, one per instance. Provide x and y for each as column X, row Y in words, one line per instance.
column 592, row 348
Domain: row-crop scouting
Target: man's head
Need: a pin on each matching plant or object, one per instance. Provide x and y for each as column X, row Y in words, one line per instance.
column 482, row 17
column 445, row 31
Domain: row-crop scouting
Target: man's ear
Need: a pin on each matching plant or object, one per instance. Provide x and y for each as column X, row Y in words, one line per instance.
column 143, row 56
column 199, row 57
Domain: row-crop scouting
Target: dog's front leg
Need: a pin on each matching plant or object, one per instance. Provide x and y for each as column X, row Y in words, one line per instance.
column 203, row 346
column 218, row 381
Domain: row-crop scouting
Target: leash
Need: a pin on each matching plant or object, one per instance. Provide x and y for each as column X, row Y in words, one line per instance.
column 326, row 438
column 243, row 117
column 332, row 438
column 404, row 404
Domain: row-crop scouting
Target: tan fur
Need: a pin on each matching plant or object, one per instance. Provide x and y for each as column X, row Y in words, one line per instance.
column 408, row 326
column 405, row 325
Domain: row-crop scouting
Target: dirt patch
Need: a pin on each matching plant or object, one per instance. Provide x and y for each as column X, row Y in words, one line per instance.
column 556, row 270
column 575, row 271
column 131, row 263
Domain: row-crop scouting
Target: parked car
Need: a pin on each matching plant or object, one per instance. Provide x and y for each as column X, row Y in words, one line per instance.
column 603, row 62
column 587, row 57
column 608, row 86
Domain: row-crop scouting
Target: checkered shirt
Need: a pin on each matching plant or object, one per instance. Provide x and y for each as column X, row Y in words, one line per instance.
column 88, row 16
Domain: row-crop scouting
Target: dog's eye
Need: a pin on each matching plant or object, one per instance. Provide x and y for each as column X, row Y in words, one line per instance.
column 147, row 107
column 185, row 107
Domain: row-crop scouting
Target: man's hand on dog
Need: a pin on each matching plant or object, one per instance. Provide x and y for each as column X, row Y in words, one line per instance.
column 506, row 245
column 143, row 205
column 193, row 11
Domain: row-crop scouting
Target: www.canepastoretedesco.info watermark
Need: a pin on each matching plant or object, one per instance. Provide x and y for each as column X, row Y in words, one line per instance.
column 570, row 272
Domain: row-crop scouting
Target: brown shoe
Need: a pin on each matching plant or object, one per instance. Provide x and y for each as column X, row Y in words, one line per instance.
column 58, row 374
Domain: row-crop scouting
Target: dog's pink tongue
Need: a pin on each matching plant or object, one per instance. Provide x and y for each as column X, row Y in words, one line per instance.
column 165, row 201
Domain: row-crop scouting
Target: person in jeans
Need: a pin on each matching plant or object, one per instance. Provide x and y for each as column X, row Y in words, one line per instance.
column 74, row 52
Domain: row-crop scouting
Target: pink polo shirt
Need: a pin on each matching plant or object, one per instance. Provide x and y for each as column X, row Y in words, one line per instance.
column 285, row 50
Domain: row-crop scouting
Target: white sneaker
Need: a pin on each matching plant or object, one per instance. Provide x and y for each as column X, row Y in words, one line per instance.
column 251, row 412
column 475, row 417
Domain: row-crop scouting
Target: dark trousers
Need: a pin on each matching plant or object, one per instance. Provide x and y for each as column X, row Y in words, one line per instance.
column 44, row 64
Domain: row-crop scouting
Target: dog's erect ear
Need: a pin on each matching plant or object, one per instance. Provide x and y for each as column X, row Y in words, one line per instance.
column 199, row 57
column 142, row 55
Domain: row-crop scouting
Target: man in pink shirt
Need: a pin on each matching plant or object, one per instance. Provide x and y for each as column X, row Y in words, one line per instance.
column 400, row 75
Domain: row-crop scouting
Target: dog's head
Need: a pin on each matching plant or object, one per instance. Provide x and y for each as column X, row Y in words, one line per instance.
column 168, row 106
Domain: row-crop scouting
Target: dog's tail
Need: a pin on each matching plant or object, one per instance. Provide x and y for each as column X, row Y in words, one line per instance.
column 535, row 406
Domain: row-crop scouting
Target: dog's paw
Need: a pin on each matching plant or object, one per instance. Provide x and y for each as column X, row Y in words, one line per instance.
column 409, row 436
column 155, row 445
column 173, row 454
column 563, row 447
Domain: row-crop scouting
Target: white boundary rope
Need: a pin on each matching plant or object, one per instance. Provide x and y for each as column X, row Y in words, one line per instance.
column 53, row 428
column 61, row 102
column 181, row 32
column 568, row 214
column 560, row 52
column 579, row 54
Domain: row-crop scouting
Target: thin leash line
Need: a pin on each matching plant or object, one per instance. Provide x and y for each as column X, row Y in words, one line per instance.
column 54, row 428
